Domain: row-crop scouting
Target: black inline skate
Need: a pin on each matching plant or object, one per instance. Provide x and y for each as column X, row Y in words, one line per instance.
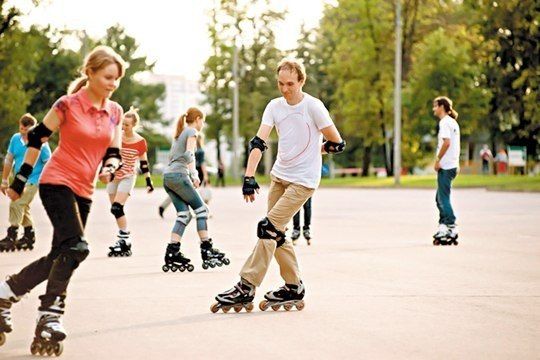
column 9, row 243
column 26, row 242
column 122, row 247
column 7, row 298
column 295, row 235
column 49, row 332
column 307, row 235
column 238, row 297
column 289, row 296
column 211, row 256
column 175, row 260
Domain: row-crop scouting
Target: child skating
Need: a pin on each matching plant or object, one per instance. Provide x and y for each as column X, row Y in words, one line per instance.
column 301, row 122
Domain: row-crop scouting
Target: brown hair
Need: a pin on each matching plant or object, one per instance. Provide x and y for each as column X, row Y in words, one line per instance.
column 133, row 113
column 189, row 117
column 447, row 104
column 27, row 120
column 293, row 65
column 98, row 58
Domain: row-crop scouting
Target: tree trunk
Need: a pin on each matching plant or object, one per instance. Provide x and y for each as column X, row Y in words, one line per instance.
column 366, row 162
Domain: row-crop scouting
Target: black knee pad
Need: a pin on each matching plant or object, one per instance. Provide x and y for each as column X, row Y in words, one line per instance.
column 75, row 252
column 117, row 210
column 267, row 230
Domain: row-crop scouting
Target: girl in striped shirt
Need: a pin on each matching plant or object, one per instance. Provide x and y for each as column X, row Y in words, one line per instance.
column 133, row 148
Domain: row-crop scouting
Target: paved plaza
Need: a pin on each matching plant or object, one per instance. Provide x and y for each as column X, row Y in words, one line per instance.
column 376, row 288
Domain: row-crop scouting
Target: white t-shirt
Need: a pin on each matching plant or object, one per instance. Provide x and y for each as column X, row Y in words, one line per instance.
column 449, row 129
column 299, row 158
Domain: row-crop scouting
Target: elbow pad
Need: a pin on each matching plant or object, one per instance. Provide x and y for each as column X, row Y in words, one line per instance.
column 38, row 135
column 333, row 147
column 144, row 166
column 257, row 143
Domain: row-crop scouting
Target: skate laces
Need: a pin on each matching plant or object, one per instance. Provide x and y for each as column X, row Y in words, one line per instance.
column 51, row 321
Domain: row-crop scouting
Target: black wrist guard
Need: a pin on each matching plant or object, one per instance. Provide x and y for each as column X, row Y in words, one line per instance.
column 333, row 147
column 112, row 153
column 250, row 185
column 19, row 181
column 149, row 183
column 38, row 135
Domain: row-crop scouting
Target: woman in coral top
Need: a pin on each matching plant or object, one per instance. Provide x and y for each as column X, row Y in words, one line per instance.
column 133, row 148
column 89, row 125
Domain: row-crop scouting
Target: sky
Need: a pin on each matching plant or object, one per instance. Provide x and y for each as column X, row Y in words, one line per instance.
column 171, row 32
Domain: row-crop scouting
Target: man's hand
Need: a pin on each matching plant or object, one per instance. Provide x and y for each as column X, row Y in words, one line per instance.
column 437, row 165
column 249, row 188
column 13, row 195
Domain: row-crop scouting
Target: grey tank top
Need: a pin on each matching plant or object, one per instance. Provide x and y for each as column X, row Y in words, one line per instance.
column 178, row 159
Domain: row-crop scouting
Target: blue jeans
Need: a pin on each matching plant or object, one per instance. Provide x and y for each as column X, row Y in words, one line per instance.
column 183, row 195
column 444, row 185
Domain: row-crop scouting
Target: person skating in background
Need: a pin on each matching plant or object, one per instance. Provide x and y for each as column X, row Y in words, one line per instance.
column 19, row 210
column 446, row 165
column 180, row 180
column 89, row 126
column 134, row 149
column 306, row 230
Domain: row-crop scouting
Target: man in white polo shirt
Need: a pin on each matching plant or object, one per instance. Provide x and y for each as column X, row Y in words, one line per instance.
column 301, row 121
column 446, row 165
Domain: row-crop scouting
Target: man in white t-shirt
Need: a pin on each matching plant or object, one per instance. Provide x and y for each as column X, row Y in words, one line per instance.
column 301, row 121
column 446, row 165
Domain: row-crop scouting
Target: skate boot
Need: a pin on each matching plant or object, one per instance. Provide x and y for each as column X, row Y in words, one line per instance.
column 122, row 247
column 211, row 256
column 7, row 298
column 307, row 235
column 440, row 237
column 295, row 235
column 452, row 234
column 28, row 239
column 175, row 260
column 238, row 297
column 289, row 295
column 9, row 243
column 49, row 332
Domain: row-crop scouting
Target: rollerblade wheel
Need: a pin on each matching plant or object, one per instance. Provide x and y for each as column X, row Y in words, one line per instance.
column 2, row 339
column 50, row 349
column 165, row 268
column 212, row 265
column 182, row 269
column 436, row 242
column 58, row 349
column 214, row 308
column 42, row 350
column 34, row 348
column 190, row 268
column 288, row 307
column 226, row 261
column 219, row 264
column 455, row 242
column 205, row 266
column 238, row 308
column 263, row 305
column 174, row 268
column 300, row 305
column 226, row 309
column 275, row 307
column 249, row 307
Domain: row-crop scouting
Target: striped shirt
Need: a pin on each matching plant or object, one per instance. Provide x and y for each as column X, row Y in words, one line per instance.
column 130, row 154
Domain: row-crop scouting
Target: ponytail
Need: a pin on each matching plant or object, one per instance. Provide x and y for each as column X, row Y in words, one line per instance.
column 447, row 104
column 77, row 84
column 180, row 125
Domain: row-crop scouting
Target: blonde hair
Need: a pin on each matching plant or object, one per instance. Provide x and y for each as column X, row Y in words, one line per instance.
column 189, row 117
column 100, row 57
column 447, row 104
column 133, row 113
column 293, row 65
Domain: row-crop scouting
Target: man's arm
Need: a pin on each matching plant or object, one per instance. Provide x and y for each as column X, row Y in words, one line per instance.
column 256, row 147
column 334, row 143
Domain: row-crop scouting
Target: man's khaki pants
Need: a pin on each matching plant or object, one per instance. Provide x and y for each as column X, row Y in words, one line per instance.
column 19, row 210
column 284, row 200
